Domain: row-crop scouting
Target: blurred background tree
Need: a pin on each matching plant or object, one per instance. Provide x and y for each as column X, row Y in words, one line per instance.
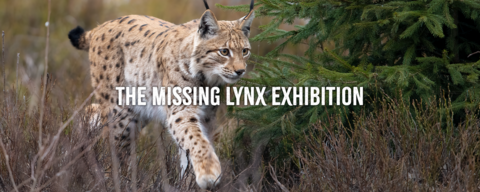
column 408, row 50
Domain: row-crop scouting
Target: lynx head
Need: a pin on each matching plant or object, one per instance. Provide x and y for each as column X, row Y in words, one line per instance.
column 221, row 48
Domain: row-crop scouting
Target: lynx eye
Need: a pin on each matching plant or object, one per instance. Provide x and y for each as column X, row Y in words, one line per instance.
column 245, row 52
column 224, row 52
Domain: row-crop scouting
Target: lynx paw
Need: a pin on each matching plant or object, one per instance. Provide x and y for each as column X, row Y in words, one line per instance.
column 208, row 171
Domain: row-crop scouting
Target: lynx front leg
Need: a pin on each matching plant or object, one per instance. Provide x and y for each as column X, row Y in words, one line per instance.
column 186, row 127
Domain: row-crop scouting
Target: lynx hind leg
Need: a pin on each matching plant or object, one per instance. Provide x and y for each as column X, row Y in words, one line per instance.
column 93, row 116
column 122, row 122
column 210, row 123
column 118, row 123
column 183, row 162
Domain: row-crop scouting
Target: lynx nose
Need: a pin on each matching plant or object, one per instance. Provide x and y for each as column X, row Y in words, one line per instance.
column 240, row 72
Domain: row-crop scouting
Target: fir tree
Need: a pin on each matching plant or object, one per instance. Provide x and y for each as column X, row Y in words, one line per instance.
column 405, row 49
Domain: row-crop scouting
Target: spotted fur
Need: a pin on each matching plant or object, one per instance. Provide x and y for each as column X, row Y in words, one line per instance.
column 143, row 51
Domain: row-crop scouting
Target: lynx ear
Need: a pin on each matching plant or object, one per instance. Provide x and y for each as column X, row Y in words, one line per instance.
column 246, row 22
column 208, row 25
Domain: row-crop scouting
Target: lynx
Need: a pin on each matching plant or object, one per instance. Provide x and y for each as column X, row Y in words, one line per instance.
column 143, row 51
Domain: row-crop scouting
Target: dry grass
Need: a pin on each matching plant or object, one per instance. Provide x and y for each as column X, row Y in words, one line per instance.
column 390, row 149
column 74, row 157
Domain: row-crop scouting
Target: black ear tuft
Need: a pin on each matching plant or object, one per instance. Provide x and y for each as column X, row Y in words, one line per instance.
column 206, row 4
column 74, row 35
column 251, row 5
column 246, row 21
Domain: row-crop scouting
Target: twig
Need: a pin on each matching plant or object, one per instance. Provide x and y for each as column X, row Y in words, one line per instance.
column 274, row 177
column 42, row 101
column 3, row 63
column 43, row 153
column 32, row 174
column 133, row 159
column 8, row 165
column 62, row 170
column 473, row 53
column 24, row 183
column 164, row 185
column 234, row 178
column 114, row 160
column 3, row 70
column 16, row 78
column 55, row 161
column 62, row 128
